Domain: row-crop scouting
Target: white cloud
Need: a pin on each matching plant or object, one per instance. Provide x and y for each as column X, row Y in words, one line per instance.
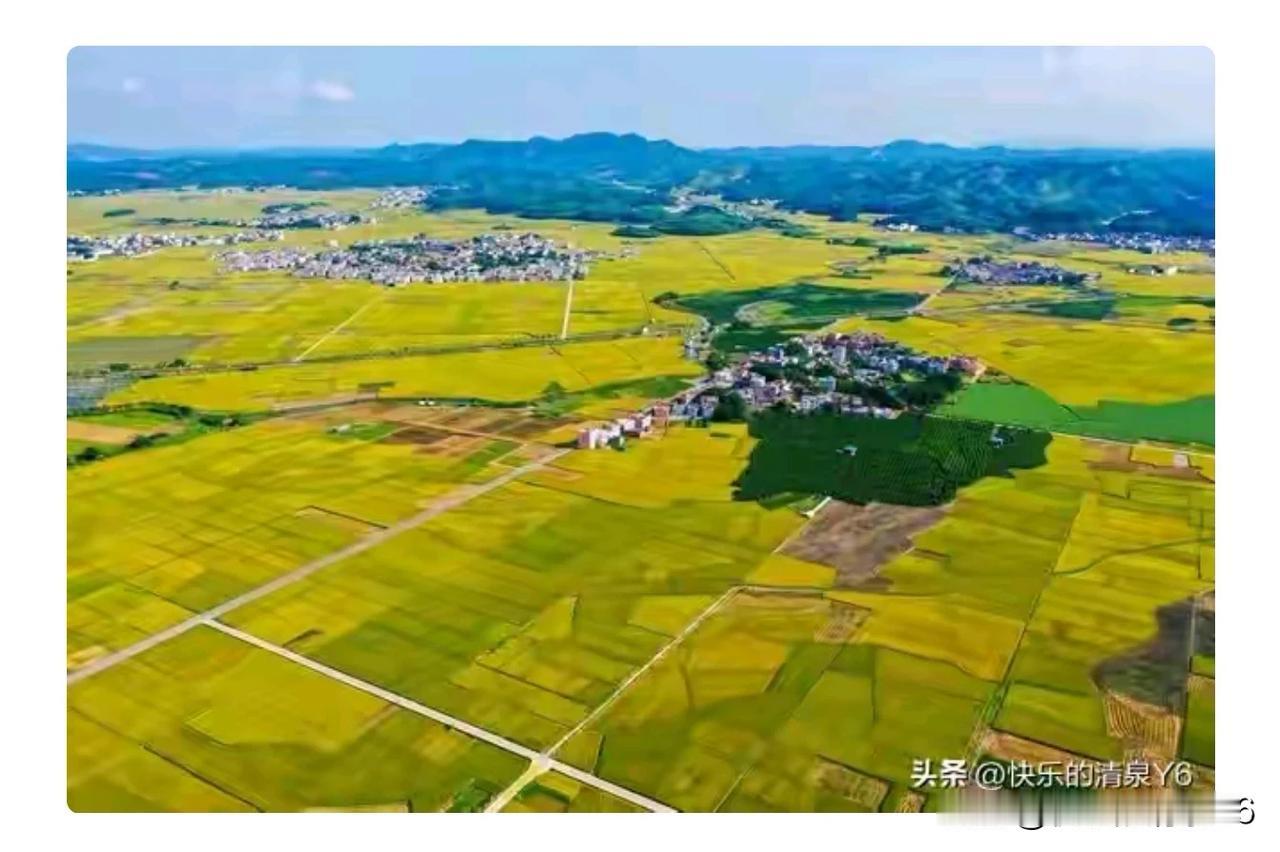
column 328, row 90
column 132, row 85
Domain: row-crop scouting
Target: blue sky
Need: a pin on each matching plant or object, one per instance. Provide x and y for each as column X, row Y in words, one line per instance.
column 701, row 97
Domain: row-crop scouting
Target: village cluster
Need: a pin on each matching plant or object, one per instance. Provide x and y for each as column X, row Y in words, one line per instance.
column 81, row 247
column 860, row 375
column 290, row 217
column 987, row 270
column 401, row 196
column 487, row 257
column 1146, row 242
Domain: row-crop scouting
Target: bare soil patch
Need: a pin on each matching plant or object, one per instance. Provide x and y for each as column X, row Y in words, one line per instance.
column 101, row 433
column 1116, row 457
column 421, row 435
column 857, row 540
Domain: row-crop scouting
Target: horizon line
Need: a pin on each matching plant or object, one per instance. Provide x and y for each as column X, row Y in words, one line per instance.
column 302, row 147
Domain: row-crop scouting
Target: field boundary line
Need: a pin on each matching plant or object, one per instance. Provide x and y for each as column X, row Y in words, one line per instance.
column 568, row 309
column 538, row 762
column 717, row 262
column 638, row 673
column 337, row 328
column 516, row 786
column 499, row 802
column 474, row 731
column 451, row 500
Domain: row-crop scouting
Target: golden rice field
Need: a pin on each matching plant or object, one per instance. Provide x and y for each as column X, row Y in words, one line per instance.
column 497, row 375
column 526, row 608
column 997, row 617
column 555, row 793
column 523, row 609
column 1077, row 362
column 1045, row 605
column 206, row 722
column 177, row 303
column 156, row 535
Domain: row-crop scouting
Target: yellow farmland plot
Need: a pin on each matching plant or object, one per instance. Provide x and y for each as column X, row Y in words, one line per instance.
column 206, row 722
column 503, row 375
column 617, row 607
column 178, row 302
column 1005, row 613
column 157, row 534
column 1075, row 362
column 556, row 793
column 85, row 213
column 525, row 608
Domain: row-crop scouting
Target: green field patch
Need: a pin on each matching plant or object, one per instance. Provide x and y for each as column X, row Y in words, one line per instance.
column 1198, row 738
column 790, row 303
column 909, row 460
column 147, row 417
column 89, row 352
column 556, row 401
column 1188, row 421
column 1153, row 308
column 372, row 431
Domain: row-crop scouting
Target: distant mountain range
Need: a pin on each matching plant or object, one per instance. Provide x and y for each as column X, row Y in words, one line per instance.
column 630, row 179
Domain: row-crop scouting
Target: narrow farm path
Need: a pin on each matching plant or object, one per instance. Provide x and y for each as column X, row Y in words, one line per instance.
column 539, row 762
column 337, row 328
column 452, row 500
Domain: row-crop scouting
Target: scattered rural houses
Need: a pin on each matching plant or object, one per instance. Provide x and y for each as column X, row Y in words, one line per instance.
column 487, row 257
column 401, row 196
column 133, row 245
column 861, row 374
column 616, row 432
column 897, row 225
column 987, row 270
column 1153, row 269
column 295, row 217
column 1147, row 242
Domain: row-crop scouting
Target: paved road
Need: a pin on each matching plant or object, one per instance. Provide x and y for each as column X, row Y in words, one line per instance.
column 449, row 501
column 538, row 762
column 546, row 761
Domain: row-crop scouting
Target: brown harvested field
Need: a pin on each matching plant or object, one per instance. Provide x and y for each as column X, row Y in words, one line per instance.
column 1117, row 457
column 909, row 803
column 533, row 426
column 843, row 620
column 848, row 783
column 1147, row 730
column 458, row 445
column 517, row 424
column 857, row 540
column 101, row 433
column 421, row 435
column 1005, row 746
